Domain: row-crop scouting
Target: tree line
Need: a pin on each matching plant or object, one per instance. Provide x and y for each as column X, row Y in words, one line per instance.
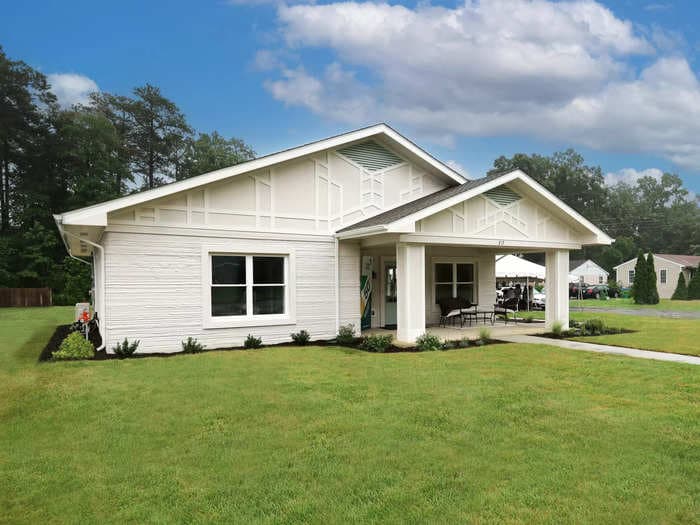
column 54, row 159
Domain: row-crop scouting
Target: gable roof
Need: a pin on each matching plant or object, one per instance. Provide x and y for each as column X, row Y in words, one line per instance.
column 408, row 209
column 684, row 261
column 447, row 197
column 574, row 265
column 97, row 214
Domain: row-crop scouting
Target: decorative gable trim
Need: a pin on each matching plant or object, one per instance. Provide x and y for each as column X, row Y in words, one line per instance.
column 371, row 156
column 503, row 196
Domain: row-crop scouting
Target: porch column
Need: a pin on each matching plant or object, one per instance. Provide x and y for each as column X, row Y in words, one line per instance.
column 557, row 288
column 410, row 291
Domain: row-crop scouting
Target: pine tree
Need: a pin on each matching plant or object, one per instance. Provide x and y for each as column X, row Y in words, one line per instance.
column 681, row 292
column 652, row 290
column 639, row 286
column 694, row 285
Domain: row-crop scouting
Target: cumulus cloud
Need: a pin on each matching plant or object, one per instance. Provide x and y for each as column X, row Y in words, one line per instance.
column 458, row 168
column 631, row 175
column 556, row 70
column 71, row 88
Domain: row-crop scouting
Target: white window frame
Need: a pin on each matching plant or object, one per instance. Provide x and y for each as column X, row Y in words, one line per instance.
column 250, row 319
column 454, row 261
column 601, row 279
column 664, row 272
column 630, row 276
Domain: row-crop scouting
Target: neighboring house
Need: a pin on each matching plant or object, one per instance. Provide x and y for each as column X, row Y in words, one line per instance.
column 667, row 266
column 282, row 243
column 588, row 272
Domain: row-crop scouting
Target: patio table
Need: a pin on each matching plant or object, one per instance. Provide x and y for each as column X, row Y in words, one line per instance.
column 486, row 315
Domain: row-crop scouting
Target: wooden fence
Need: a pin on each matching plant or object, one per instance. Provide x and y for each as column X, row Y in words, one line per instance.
column 25, row 297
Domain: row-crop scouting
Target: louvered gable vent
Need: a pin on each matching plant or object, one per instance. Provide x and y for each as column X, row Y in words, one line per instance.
column 371, row 155
column 503, row 195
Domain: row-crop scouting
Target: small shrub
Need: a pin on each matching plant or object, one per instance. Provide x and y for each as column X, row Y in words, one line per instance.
column 428, row 342
column 125, row 349
column 594, row 326
column 302, row 337
column 484, row 335
column 557, row 329
column 192, row 346
column 463, row 343
column 528, row 318
column 346, row 334
column 252, row 342
column 75, row 346
column 376, row 342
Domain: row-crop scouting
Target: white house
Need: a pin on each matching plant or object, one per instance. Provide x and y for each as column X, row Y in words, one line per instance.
column 588, row 272
column 283, row 243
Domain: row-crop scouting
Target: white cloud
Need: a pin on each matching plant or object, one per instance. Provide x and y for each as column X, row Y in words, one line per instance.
column 631, row 175
column 458, row 168
column 555, row 70
column 71, row 88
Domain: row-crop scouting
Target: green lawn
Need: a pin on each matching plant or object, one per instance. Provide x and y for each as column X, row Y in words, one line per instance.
column 504, row 433
column 664, row 304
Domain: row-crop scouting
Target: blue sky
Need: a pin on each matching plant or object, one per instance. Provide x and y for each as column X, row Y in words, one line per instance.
column 468, row 81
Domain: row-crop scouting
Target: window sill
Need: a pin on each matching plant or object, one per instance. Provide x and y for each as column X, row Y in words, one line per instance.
column 243, row 322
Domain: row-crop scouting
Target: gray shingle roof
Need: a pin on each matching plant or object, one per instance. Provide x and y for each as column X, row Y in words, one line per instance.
column 417, row 205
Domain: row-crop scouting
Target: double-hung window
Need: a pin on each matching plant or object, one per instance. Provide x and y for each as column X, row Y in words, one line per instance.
column 249, row 287
column 663, row 275
column 454, row 279
column 630, row 276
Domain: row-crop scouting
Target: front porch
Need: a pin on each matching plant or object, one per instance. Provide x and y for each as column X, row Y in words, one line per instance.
column 435, row 271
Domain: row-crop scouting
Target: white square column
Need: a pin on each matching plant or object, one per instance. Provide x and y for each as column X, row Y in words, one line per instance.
column 557, row 288
column 410, row 291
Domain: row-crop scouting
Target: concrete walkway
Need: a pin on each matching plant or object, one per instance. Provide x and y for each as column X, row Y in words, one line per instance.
column 642, row 312
column 603, row 349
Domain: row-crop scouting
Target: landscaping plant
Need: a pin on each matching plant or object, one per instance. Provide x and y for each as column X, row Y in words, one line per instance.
column 594, row 327
column 302, row 337
column 484, row 335
column 376, row 342
column 346, row 334
column 694, row 285
column 681, row 292
column 428, row 342
column 252, row 342
column 74, row 346
column 125, row 349
column 192, row 346
column 557, row 328
column 652, row 290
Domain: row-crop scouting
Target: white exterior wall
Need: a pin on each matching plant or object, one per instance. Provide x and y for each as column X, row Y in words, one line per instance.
column 665, row 289
column 349, row 284
column 591, row 273
column 316, row 194
column 154, row 287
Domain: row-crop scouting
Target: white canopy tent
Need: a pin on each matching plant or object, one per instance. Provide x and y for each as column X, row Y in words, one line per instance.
column 513, row 267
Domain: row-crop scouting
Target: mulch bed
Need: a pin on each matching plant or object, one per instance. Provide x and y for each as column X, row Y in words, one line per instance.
column 62, row 332
column 569, row 335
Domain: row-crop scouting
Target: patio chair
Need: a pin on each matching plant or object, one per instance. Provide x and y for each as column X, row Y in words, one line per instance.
column 509, row 305
column 451, row 309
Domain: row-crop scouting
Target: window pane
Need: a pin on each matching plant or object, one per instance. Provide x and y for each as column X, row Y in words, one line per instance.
column 228, row 300
column 466, row 291
column 465, row 273
column 268, row 300
column 227, row 269
column 268, row 270
column 443, row 273
column 442, row 291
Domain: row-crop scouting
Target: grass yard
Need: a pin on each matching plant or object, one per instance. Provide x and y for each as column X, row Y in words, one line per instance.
column 664, row 304
column 662, row 334
column 504, row 433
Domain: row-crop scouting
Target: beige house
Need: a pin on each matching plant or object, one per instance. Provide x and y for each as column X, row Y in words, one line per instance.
column 667, row 267
column 363, row 228
column 588, row 272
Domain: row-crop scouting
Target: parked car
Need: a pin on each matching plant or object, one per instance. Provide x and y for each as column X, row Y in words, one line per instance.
column 574, row 287
column 598, row 291
column 538, row 300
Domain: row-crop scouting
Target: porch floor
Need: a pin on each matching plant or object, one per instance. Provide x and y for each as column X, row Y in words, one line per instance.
column 498, row 330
